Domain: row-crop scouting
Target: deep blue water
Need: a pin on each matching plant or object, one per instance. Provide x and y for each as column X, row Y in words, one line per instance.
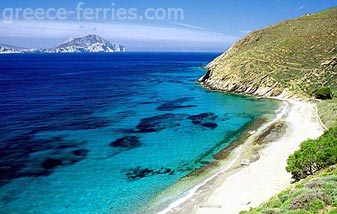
column 104, row 133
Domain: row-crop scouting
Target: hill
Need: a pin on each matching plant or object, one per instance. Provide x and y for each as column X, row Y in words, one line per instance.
column 295, row 57
column 90, row 43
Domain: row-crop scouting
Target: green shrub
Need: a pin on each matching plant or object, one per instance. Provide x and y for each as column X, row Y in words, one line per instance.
column 316, row 205
column 311, row 201
column 323, row 93
column 314, row 155
column 274, row 203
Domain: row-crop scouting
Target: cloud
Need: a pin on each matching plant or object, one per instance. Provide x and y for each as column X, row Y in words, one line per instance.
column 113, row 31
column 301, row 7
column 189, row 26
column 244, row 32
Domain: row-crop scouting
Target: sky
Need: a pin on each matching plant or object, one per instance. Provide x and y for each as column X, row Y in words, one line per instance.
column 197, row 25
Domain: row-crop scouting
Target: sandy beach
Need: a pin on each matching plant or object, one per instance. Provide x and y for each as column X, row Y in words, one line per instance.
column 235, row 188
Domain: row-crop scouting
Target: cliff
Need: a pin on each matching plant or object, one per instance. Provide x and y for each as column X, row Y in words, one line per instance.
column 292, row 58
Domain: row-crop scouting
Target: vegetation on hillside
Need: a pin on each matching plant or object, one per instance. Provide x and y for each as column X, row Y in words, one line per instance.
column 314, row 155
column 314, row 195
column 299, row 55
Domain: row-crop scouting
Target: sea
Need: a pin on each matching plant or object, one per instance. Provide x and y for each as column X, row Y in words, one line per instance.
column 107, row 133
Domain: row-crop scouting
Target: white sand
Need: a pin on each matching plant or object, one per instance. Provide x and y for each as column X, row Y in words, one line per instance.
column 249, row 186
column 252, row 185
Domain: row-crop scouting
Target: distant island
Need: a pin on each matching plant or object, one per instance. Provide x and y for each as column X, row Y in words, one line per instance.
column 88, row 44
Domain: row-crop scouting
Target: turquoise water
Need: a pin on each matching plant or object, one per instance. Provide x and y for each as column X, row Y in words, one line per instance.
column 105, row 133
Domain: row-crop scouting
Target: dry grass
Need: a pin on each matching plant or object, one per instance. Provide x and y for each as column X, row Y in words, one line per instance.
column 328, row 112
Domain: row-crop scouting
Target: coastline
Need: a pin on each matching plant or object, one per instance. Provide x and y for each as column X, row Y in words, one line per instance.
column 186, row 187
column 229, row 190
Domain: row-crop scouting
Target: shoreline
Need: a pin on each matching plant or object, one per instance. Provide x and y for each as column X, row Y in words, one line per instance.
column 183, row 189
column 225, row 160
column 216, row 193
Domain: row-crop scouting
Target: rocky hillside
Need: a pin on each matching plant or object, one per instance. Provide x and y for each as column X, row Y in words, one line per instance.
column 295, row 57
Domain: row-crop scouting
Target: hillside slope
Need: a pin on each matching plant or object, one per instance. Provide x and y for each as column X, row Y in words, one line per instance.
column 294, row 57
column 315, row 194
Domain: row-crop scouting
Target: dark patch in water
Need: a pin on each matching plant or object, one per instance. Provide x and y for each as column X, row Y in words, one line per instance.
column 123, row 114
column 196, row 119
column 176, row 81
column 80, row 152
column 205, row 120
column 210, row 125
column 176, row 104
column 65, row 159
column 129, row 142
column 63, row 118
column 9, row 197
column 86, row 123
column 146, row 103
column 137, row 173
column 51, row 163
column 158, row 123
column 17, row 157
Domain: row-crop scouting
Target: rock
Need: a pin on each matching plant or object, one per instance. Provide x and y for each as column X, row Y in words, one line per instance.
column 245, row 162
column 332, row 168
column 252, row 132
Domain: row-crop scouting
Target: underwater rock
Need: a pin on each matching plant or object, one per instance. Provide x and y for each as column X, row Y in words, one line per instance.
column 146, row 103
column 18, row 159
column 80, row 152
column 126, row 142
column 51, row 163
column 134, row 174
column 210, row 125
column 205, row 120
column 175, row 104
column 158, row 123
column 65, row 159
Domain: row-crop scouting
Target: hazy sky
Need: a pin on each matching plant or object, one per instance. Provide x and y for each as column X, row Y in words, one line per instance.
column 202, row 25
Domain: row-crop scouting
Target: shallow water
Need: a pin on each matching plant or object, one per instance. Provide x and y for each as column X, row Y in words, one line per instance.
column 105, row 133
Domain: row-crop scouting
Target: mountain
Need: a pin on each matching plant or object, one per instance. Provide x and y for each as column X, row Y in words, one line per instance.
column 292, row 58
column 88, row 44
